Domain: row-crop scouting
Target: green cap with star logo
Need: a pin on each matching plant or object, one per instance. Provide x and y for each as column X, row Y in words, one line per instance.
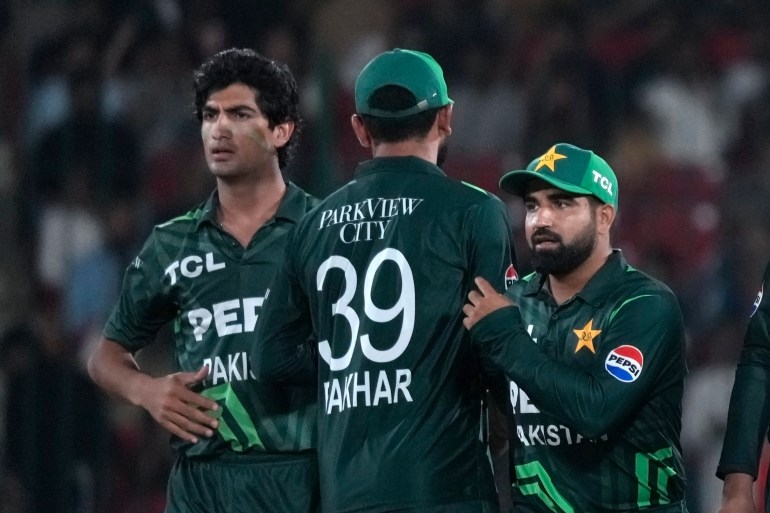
column 415, row 71
column 570, row 169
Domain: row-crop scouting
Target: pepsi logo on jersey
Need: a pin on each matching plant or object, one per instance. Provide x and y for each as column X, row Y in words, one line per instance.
column 624, row 363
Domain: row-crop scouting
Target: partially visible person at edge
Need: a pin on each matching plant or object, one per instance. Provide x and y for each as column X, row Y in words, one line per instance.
column 594, row 350
column 241, row 446
column 379, row 273
column 748, row 417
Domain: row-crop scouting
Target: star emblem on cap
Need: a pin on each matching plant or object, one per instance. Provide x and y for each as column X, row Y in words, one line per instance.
column 549, row 158
column 586, row 337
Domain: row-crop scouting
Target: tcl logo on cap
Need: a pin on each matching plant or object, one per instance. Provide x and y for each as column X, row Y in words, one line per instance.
column 624, row 363
column 510, row 276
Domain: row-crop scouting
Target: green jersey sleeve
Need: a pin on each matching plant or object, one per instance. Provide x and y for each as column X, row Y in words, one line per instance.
column 276, row 354
column 592, row 400
column 749, row 412
column 144, row 305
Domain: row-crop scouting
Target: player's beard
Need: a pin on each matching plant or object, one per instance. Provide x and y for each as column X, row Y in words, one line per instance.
column 442, row 153
column 566, row 257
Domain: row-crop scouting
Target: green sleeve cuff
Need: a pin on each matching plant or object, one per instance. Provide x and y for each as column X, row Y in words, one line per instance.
column 501, row 322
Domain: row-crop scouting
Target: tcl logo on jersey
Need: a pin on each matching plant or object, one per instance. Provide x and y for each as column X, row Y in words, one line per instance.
column 624, row 363
column 757, row 301
column 510, row 276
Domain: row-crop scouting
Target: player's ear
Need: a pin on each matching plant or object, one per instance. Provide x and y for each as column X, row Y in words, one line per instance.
column 357, row 122
column 605, row 216
column 282, row 133
column 444, row 120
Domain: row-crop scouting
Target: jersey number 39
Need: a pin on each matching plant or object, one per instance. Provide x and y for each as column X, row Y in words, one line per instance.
column 405, row 305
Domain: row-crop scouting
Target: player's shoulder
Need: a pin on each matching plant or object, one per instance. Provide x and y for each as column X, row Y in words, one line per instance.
column 637, row 285
column 186, row 221
column 639, row 280
column 304, row 199
column 471, row 192
column 177, row 230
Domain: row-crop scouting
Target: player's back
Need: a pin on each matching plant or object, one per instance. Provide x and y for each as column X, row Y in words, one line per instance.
column 388, row 261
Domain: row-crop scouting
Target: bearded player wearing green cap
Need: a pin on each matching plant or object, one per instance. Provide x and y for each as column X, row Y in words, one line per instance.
column 594, row 350
column 378, row 274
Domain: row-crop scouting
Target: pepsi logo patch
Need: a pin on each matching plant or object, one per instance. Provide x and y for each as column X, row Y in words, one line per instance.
column 624, row 363
column 510, row 276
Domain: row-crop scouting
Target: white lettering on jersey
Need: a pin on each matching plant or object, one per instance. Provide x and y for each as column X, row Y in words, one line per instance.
column 551, row 434
column 367, row 220
column 234, row 368
column 520, row 400
column 365, row 230
column 192, row 266
column 230, row 317
column 358, row 389
column 368, row 209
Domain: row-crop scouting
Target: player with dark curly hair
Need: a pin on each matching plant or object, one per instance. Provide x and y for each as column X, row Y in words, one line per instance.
column 241, row 446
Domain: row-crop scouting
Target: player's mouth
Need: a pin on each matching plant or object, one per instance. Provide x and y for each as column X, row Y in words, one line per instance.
column 221, row 154
column 545, row 241
column 546, row 245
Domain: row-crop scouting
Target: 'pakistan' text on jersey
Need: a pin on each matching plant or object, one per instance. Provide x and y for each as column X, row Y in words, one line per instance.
column 382, row 269
column 596, row 392
column 749, row 413
column 193, row 273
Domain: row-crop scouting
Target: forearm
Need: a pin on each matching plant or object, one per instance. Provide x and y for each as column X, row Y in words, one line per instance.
column 747, row 422
column 115, row 371
column 579, row 397
column 737, row 494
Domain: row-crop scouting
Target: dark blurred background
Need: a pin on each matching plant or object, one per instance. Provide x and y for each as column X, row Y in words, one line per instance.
column 99, row 143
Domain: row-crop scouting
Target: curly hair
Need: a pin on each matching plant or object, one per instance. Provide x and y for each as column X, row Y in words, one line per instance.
column 277, row 95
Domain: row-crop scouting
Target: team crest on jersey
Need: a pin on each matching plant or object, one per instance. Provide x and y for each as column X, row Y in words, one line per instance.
column 757, row 301
column 624, row 363
column 510, row 276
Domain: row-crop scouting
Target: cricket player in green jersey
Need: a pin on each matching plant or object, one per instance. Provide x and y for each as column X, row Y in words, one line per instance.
column 379, row 273
column 242, row 447
column 594, row 350
column 749, row 414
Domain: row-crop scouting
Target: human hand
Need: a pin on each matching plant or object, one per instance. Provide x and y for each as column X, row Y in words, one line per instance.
column 482, row 302
column 179, row 410
column 737, row 494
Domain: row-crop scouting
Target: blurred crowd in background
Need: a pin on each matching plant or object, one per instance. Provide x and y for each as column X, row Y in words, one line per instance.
column 99, row 142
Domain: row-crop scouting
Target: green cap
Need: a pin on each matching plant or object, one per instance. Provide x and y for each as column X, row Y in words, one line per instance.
column 570, row 169
column 415, row 71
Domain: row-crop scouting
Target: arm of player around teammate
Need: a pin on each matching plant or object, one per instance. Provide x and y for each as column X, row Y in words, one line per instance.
column 591, row 399
column 749, row 412
column 282, row 351
column 168, row 399
column 492, row 257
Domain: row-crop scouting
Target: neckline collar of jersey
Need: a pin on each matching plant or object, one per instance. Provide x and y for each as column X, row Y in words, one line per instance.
column 291, row 208
column 598, row 286
column 407, row 164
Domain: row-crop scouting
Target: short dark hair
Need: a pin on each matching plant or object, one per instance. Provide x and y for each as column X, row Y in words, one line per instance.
column 277, row 95
column 395, row 98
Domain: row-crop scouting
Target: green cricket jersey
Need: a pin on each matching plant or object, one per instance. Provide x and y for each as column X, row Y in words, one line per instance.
column 749, row 413
column 379, row 272
column 192, row 272
column 596, row 391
